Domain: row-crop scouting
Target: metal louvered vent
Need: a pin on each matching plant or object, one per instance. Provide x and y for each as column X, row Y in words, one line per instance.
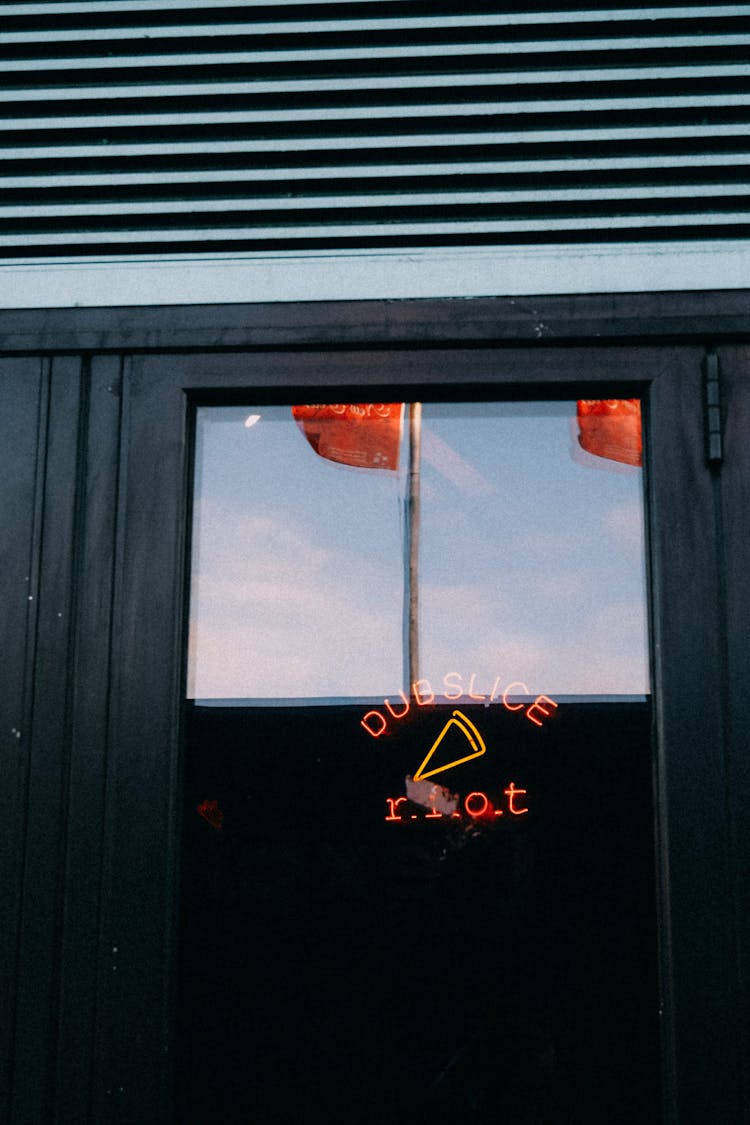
column 142, row 127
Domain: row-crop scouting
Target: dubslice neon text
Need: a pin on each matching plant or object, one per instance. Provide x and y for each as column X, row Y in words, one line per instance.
column 378, row 722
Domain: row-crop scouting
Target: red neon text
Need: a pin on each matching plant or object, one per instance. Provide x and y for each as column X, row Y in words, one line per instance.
column 540, row 706
column 475, row 805
column 506, row 694
column 394, row 802
column 472, row 810
column 396, row 714
column 511, row 793
column 423, row 694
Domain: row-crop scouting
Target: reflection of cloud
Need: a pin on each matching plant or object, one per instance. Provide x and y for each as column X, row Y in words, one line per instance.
column 242, row 660
column 463, row 601
column 452, row 466
column 608, row 654
column 616, row 622
column 517, row 656
column 276, row 615
column 228, row 539
column 601, row 651
column 568, row 587
column 458, row 620
column 625, row 522
column 545, row 544
column 306, row 597
column 488, row 648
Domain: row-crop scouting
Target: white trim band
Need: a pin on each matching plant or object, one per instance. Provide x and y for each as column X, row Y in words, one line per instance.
column 376, row 275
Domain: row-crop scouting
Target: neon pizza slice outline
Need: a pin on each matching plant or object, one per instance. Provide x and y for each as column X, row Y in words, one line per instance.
column 469, row 731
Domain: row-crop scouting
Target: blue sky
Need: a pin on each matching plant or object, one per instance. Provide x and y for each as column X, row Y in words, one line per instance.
column 531, row 559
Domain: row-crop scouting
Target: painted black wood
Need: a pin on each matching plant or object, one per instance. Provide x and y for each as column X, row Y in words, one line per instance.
column 733, row 515
column 46, row 743
column 433, row 373
column 634, row 317
column 134, row 1029
column 22, row 403
column 85, row 959
column 700, row 986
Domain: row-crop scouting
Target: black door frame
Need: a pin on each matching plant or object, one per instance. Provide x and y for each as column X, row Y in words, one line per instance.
column 96, row 409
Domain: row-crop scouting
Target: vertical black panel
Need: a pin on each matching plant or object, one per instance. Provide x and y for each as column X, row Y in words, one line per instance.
column 735, row 526
column 135, row 1027
column 699, row 983
column 21, row 395
column 46, row 744
column 80, row 952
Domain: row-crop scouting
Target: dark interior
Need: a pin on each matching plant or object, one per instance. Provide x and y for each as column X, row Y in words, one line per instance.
column 336, row 966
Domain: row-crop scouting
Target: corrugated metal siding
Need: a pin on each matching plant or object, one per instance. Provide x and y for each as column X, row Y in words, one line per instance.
column 139, row 127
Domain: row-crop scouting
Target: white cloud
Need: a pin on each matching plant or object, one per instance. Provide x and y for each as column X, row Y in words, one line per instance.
column 544, row 545
column 608, row 655
column 276, row 615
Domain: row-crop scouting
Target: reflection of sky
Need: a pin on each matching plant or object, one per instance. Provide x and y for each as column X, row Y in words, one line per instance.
column 531, row 560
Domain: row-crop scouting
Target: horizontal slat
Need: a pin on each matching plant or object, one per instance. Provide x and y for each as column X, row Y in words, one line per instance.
column 342, row 54
column 380, row 125
column 346, row 143
column 496, row 19
column 417, row 172
column 307, row 86
column 380, row 200
column 366, row 113
column 431, row 22
column 369, row 230
column 92, row 7
column 230, row 30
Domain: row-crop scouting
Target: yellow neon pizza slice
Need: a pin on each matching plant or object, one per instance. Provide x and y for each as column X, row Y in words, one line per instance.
column 470, row 733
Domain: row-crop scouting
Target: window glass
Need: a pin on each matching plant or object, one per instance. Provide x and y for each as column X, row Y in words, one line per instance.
column 530, row 559
column 417, row 867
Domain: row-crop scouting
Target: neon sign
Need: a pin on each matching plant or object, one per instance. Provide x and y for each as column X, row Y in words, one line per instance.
column 422, row 695
column 476, row 805
column 470, row 732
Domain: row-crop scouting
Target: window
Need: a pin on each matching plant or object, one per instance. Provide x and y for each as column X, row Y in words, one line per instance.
column 418, row 866
column 530, row 550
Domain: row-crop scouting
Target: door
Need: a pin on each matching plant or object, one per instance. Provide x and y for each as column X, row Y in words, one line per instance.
column 404, row 862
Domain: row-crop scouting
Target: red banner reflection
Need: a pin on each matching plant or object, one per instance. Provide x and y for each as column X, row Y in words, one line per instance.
column 611, row 428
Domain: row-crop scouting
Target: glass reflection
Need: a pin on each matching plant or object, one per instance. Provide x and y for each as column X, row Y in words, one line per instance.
column 530, row 555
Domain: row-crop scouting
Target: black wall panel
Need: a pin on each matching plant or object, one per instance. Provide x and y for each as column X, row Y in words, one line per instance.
column 85, row 959
column 733, row 513
column 22, row 409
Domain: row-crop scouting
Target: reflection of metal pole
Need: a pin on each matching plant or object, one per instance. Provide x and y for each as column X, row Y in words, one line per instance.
column 412, row 543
